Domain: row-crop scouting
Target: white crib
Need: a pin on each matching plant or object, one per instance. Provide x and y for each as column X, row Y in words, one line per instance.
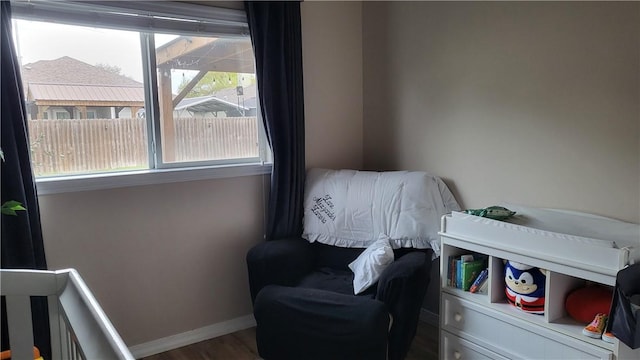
column 79, row 328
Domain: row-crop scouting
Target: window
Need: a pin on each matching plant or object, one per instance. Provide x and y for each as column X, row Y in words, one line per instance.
column 62, row 115
column 163, row 86
column 203, row 114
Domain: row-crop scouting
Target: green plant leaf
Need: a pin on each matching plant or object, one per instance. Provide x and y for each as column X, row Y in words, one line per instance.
column 10, row 207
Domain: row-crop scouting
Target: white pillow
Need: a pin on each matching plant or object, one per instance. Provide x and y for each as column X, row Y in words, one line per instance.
column 349, row 208
column 368, row 267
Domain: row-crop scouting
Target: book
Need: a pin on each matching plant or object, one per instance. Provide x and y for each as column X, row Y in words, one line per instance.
column 469, row 272
column 463, row 269
column 459, row 273
column 466, row 258
column 451, row 275
column 483, row 289
column 479, row 281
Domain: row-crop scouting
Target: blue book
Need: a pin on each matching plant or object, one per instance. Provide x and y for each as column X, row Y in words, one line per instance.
column 482, row 277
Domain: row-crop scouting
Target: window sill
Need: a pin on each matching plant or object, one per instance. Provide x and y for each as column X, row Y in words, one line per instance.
column 88, row 182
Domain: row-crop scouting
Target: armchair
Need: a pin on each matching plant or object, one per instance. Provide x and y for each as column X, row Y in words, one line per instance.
column 303, row 290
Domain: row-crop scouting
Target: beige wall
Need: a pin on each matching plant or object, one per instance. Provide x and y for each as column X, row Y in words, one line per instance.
column 526, row 102
column 160, row 259
column 332, row 58
column 532, row 103
column 166, row 259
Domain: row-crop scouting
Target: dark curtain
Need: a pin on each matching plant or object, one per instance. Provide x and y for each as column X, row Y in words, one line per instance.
column 276, row 35
column 22, row 246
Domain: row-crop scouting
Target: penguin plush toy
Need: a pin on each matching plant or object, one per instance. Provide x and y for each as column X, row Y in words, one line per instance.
column 525, row 287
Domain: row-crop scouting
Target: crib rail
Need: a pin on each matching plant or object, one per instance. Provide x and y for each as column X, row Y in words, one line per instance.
column 79, row 328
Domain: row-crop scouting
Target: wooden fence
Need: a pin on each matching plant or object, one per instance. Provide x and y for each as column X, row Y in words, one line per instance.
column 83, row 146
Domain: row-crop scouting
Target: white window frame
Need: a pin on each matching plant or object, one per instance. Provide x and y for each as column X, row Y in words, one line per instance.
column 165, row 16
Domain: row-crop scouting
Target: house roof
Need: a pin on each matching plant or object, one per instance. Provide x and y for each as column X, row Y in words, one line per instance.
column 230, row 94
column 68, row 80
column 67, row 70
column 92, row 93
column 226, row 100
column 205, row 104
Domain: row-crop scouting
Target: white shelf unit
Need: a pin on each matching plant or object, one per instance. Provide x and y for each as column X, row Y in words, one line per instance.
column 486, row 326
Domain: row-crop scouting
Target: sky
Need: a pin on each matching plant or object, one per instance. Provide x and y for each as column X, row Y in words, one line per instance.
column 47, row 41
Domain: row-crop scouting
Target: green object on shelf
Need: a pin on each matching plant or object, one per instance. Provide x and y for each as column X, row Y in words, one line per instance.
column 492, row 212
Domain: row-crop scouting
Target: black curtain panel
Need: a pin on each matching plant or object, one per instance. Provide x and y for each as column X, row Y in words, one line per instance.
column 276, row 35
column 22, row 246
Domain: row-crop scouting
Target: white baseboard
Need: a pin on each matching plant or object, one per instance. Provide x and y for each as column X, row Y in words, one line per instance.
column 223, row 328
column 191, row 337
column 429, row 317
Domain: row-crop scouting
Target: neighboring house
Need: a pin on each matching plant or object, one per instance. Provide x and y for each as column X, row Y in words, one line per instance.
column 231, row 102
column 67, row 88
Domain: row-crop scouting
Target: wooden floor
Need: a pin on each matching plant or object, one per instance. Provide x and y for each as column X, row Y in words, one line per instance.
column 241, row 345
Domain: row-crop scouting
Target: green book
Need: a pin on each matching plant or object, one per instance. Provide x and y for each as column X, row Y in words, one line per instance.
column 470, row 271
